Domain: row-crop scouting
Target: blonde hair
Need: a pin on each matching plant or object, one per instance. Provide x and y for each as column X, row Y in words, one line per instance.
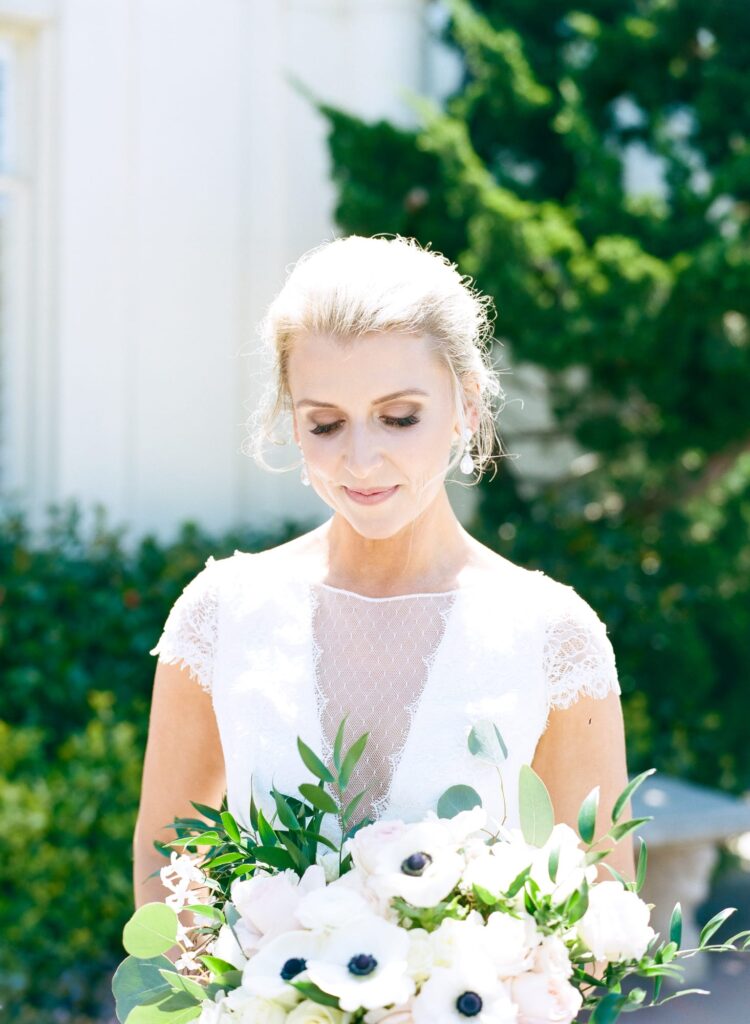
column 356, row 285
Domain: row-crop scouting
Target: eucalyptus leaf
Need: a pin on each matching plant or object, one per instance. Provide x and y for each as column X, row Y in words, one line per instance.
column 316, row 994
column 275, row 856
column 151, row 930
column 622, row 799
column 338, row 743
column 535, row 806
column 208, row 812
column 352, row 805
column 618, row 831
column 608, row 1009
column 486, row 742
column 174, row 1008
column 216, row 965
column 265, row 829
column 137, row 980
column 286, row 814
column 553, row 862
column 456, row 799
column 587, row 816
column 181, row 983
column 206, row 911
column 640, row 875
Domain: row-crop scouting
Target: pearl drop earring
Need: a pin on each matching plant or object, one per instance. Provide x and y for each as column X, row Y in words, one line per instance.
column 303, row 475
column 466, row 464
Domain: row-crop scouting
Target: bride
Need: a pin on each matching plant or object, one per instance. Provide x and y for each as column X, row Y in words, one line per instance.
column 390, row 612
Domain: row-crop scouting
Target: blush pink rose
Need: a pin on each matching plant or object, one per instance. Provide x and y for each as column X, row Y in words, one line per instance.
column 545, row 998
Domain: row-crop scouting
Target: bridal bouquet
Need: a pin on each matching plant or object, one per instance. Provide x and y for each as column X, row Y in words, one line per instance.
column 431, row 922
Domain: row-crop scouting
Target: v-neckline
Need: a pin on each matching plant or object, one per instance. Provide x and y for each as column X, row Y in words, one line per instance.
column 380, row 805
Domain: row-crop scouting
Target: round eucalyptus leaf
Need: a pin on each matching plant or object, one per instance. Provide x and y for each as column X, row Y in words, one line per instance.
column 150, row 931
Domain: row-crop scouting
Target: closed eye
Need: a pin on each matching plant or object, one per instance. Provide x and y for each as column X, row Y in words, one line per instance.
column 391, row 421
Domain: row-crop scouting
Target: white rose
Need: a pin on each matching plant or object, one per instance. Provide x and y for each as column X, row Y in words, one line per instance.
column 396, row 1015
column 331, row 906
column 615, row 925
column 309, row 1012
column 545, row 998
column 268, row 903
column 511, row 942
column 551, row 957
column 249, row 1009
column 214, row 1010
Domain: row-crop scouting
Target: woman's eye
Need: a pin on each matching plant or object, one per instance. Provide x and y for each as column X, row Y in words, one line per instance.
column 391, row 421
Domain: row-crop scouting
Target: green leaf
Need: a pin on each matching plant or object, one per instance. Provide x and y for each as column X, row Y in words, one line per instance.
column 338, row 743
column 631, row 787
column 714, row 924
column 675, row 925
column 174, row 1008
column 352, row 805
column 518, row 881
column 618, row 831
column 265, row 829
column 253, row 808
column 137, row 980
column 456, row 799
column 353, row 755
column 486, row 742
column 230, row 825
column 150, row 931
column 536, row 812
column 181, row 983
column 286, row 814
column 608, row 1009
column 216, row 965
column 553, row 862
column 587, row 816
column 313, row 762
column 640, row 872
column 317, row 995
column 274, row 856
column 484, row 894
column 223, row 858
column 201, row 908
column 318, row 797
column 208, row 812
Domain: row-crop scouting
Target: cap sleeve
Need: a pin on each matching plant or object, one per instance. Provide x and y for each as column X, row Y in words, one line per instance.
column 578, row 655
column 190, row 631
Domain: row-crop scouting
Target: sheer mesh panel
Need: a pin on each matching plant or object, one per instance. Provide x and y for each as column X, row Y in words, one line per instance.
column 373, row 658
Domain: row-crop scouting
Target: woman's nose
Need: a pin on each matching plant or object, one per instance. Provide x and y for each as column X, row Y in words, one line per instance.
column 362, row 455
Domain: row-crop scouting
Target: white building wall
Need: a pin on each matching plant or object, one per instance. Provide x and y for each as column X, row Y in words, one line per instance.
column 187, row 173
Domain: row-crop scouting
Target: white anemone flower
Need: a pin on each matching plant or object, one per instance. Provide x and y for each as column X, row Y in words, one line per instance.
column 468, row 990
column 285, row 958
column 421, row 864
column 365, row 964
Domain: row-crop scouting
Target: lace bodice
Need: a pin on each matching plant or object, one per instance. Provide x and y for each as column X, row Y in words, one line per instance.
column 284, row 656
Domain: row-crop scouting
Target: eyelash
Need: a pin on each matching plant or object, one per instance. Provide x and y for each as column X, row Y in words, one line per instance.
column 400, row 421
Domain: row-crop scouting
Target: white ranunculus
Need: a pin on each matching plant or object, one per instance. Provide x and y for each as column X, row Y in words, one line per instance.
column 545, row 998
column 226, row 947
column 464, row 825
column 308, row 1012
column 421, row 864
column 615, row 925
column 551, row 957
column 249, row 1009
column 214, row 1011
column 511, row 942
column 268, row 902
column 469, row 989
column 280, row 960
column 331, row 906
column 364, row 963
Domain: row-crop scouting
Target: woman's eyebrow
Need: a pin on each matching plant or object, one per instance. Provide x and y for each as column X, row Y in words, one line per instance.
column 378, row 401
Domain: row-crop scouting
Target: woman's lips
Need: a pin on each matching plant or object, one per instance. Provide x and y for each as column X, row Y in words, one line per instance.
column 371, row 499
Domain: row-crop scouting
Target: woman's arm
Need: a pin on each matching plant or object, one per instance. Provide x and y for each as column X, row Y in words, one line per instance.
column 584, row 746
column 183, row 762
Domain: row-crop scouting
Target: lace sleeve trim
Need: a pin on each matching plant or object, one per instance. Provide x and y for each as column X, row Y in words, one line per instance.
column 190, row 631
column 578, row 654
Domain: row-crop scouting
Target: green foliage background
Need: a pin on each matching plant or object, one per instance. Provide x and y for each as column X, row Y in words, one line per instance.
column 634, row 307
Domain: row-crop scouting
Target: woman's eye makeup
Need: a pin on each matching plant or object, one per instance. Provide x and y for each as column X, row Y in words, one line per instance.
column 391, row 421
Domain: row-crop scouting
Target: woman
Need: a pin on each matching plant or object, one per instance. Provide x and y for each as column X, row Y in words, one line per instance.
column 390, row 612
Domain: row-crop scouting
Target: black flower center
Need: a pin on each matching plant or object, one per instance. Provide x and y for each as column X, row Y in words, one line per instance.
column 292, row 967
column 362, row 964
column 415, row 863
column 469, row 1004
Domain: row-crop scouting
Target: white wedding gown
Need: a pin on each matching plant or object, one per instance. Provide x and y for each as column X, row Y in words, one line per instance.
column 284, row 656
